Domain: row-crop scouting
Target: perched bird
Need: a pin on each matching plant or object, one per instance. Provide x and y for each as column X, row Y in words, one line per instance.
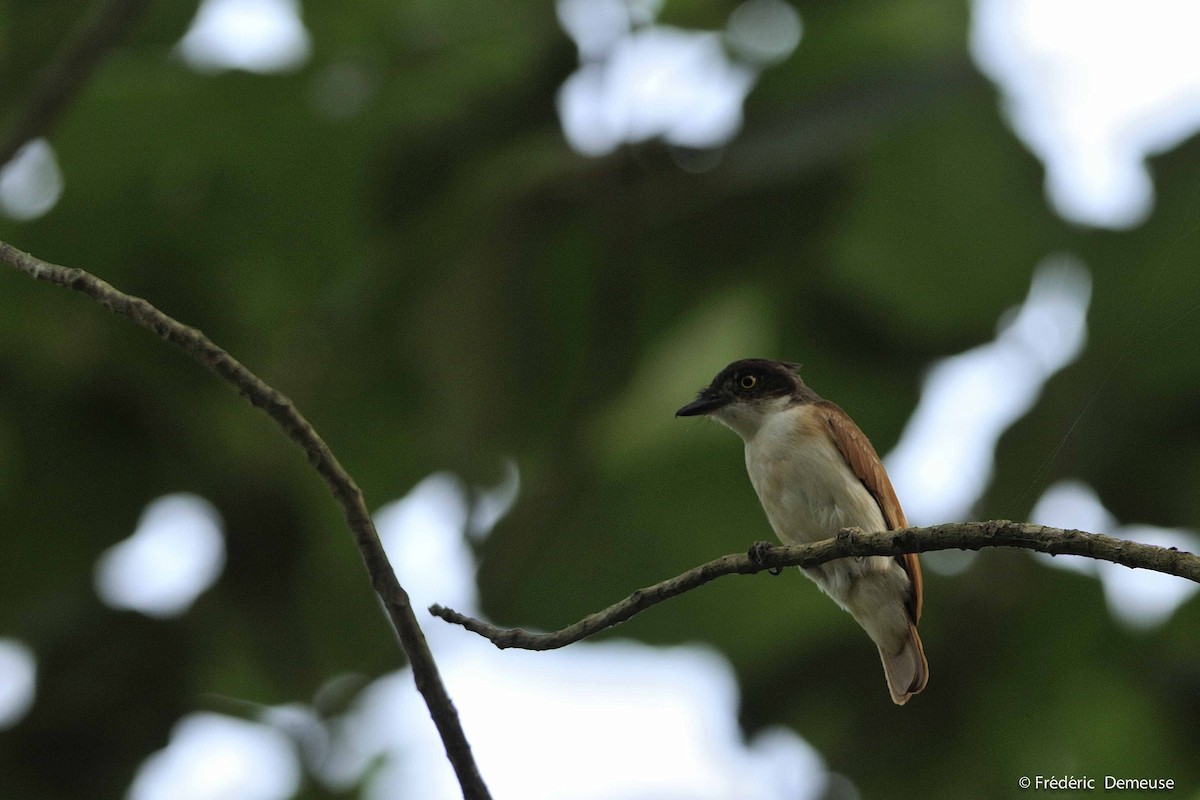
column 815, row 473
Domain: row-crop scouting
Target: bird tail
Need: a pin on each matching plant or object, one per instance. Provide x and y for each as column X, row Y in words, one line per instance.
column 906, row 669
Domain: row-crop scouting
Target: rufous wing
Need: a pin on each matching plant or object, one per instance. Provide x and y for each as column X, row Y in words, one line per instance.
column 864, row 461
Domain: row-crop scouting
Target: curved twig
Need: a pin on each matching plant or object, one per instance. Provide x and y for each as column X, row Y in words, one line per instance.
column 850, row 542
column 345, row 491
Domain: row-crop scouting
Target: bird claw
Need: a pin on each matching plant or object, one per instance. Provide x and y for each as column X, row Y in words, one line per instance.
column 758, row 552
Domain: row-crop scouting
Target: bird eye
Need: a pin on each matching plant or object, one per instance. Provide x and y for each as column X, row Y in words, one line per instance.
column 748, row 382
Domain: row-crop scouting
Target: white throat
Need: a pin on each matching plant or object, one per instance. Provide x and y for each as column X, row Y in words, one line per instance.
column 747, row 419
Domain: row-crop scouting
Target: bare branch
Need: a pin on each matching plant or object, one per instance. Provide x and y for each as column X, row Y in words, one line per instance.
column 68, row 71
column 850, row 542
column 345, row 491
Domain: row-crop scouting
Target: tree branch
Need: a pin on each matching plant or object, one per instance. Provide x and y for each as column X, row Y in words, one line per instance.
column 850, row 542
column 69, row 70
column 345, row 491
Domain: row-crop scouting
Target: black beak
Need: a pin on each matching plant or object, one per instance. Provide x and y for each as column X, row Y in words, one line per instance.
column 706, row 402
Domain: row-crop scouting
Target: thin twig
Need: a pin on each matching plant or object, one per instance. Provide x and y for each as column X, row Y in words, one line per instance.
column 850, row 542
column 344, row 489
column 67, row 72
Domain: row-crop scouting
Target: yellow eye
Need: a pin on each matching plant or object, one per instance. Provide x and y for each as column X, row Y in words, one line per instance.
column 748, row 381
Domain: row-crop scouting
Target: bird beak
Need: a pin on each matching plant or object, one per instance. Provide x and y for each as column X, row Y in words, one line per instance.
column 706, row 402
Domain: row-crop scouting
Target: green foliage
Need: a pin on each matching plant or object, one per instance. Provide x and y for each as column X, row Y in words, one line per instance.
column 438, row 282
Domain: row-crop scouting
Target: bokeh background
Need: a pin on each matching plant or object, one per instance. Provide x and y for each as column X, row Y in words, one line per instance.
column 488, row 250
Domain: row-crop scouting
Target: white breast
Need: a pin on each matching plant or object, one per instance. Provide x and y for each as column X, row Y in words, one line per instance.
column 804, row 484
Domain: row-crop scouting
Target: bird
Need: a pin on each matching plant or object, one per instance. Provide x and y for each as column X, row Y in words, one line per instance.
column 815, row 473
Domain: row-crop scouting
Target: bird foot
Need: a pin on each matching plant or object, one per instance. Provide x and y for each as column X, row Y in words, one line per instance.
column 757, row 553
